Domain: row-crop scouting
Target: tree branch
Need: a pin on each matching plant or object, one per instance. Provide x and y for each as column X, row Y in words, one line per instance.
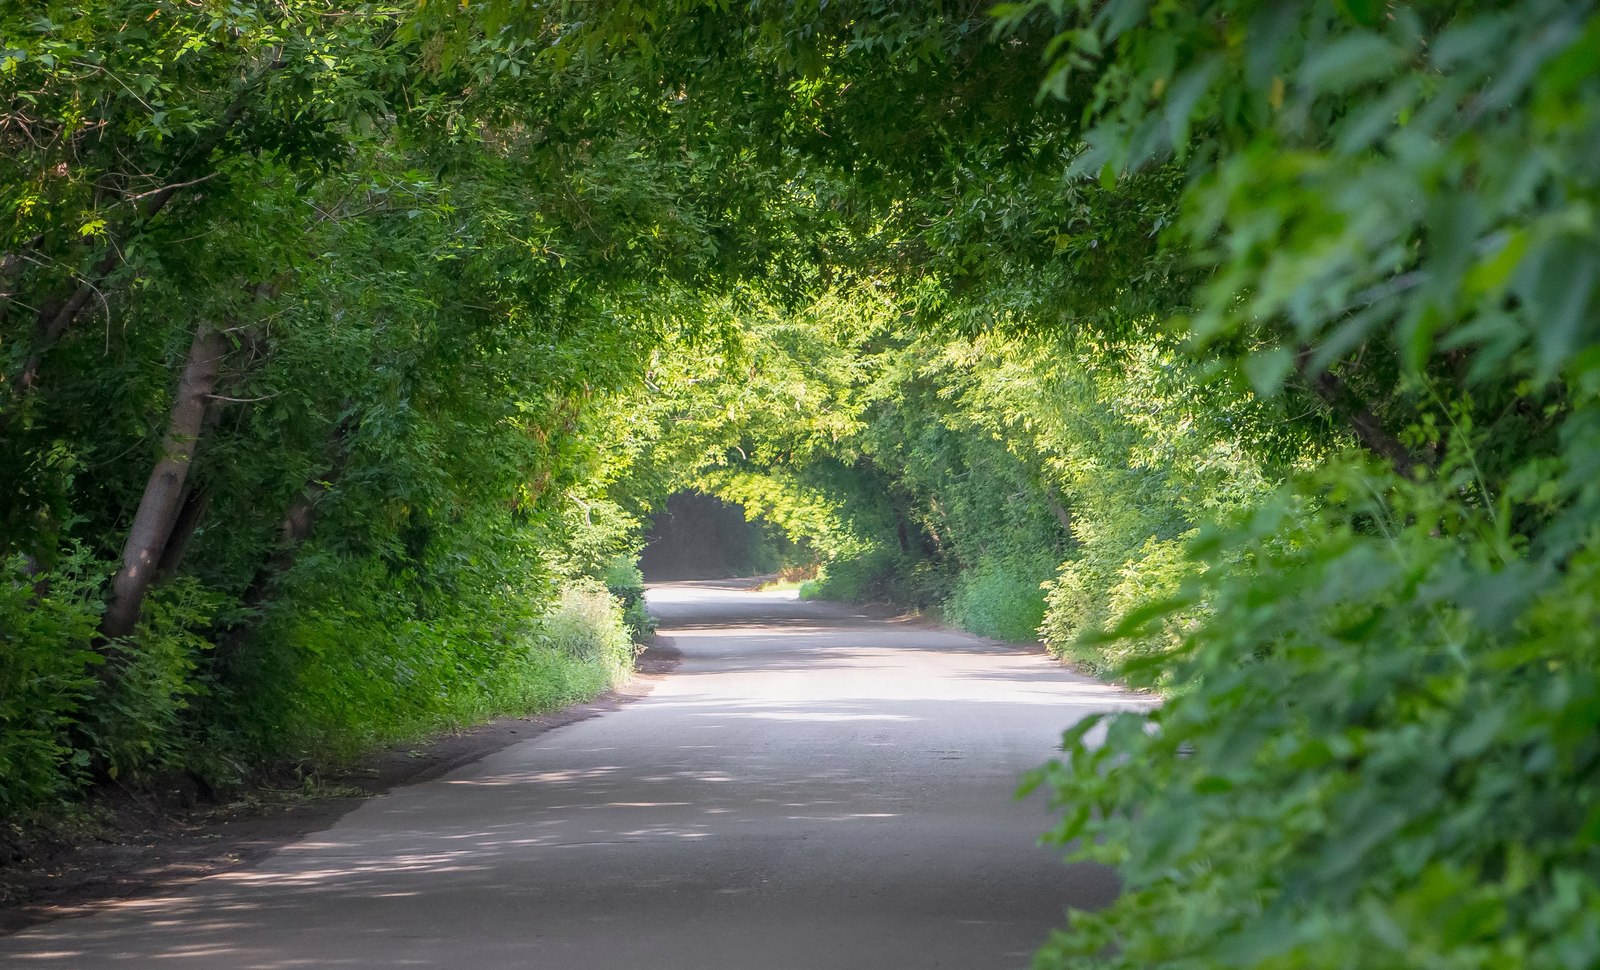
column 55, row 318
column 1369, row 430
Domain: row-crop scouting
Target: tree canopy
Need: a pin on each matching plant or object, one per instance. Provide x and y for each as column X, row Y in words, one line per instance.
column 1243, row 350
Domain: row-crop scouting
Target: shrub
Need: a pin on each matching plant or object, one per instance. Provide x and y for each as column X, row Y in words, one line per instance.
column 1000, row 599
column 846, row 580
column 356, row 664
column 1379, row 751
column 1093, row 593
column 587, row 625
column 46, row 623
column 137, row 725
column 624, row 581
column 581, row 648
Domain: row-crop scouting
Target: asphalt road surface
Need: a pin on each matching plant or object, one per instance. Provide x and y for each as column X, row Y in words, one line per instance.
column 812, row 789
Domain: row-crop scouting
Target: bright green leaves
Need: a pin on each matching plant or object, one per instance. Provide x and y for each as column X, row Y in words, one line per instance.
column 1359, row 761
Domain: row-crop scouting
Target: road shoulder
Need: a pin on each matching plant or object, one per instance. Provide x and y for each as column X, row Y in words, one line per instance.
column 146, row 849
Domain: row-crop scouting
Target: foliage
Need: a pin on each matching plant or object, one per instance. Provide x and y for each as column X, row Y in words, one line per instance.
column 1426, row 800
column 136, row 725
column 1252, row 363
column 1378, row 742
column 586, row 624
column 1371, row 233
column 1000, row 600
column 414, row 398
column 45, row 675
column 623, row 580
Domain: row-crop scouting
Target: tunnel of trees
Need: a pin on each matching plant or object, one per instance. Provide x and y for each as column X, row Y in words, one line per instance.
column 1243, row 350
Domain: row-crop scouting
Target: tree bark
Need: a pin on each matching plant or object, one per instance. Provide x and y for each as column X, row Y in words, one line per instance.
column 1057, row 509
column 299, row 520
column 55, row 318
column 161, row 502
column 190, row 514
column 197, row 502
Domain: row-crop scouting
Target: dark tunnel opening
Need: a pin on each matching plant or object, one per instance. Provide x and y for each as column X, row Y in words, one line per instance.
column 699, row 536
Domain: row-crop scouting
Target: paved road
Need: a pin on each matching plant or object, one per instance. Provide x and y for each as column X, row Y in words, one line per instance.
column 810, row 790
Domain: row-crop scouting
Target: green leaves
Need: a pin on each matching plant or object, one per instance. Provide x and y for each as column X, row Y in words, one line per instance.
column 46, row 676
column 1399, row 234
column 1367, row 13
column 1351, row 60
column 1254, row 363
column 1369, row 742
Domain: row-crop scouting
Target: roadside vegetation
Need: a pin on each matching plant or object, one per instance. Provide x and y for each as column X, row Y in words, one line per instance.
column 1248, row 352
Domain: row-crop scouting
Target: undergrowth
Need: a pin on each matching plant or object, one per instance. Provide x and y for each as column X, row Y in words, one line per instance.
column 337, row 677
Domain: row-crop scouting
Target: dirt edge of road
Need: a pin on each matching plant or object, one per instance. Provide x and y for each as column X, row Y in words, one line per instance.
column 150, row 851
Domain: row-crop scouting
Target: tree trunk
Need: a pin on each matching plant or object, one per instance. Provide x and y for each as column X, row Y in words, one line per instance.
column 191, row 513
column 163, row 495
column 197, row 502
column 54, row 319
column 298, row 522
column 300, row 519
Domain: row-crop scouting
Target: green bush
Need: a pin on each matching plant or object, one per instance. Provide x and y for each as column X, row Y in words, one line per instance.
column 137, row 725
column 581, row 648
column 623, row 580
column 47, row 620
column 1000, row 599
column 354, row 665
column 586, row 625
column 873, row 576
column 1093, row 593
column 1379, row 751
